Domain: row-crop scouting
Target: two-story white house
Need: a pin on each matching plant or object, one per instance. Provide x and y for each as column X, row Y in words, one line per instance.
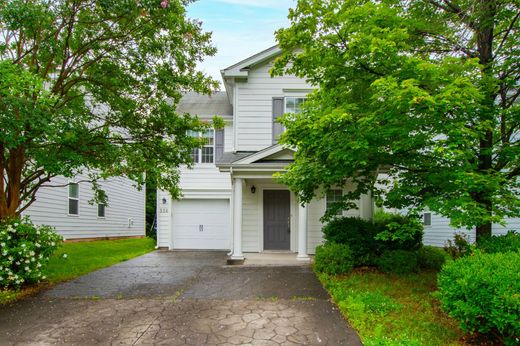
column 230, row 199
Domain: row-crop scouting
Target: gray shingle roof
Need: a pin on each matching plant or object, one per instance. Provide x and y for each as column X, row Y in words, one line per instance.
column 230, row 157
column 199, row 104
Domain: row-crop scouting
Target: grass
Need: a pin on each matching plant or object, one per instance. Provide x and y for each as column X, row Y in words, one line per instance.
column 393, row 310
column 82, row 258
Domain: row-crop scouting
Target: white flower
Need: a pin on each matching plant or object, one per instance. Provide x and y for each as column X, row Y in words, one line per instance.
column 53, row 243
column 1, row 278
column 64, row 255
column 17, row 263
column 23, row 245
column 31, row 253
column 37, row 244
column 2, row 244
column 44, row 277
column 26, row 268
column 32, row 259
column 15, row 224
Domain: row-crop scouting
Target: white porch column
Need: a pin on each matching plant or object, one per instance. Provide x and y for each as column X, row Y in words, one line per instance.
column 237, row 219
column 302, row 233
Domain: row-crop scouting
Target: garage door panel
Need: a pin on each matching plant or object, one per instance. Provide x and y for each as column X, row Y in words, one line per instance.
column 190, row 215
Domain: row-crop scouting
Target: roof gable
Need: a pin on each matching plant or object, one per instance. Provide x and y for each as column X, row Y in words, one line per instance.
column 275, row 153
column 240, row 69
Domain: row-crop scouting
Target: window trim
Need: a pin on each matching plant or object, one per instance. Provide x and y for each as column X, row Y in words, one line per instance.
column 327, row 202
column 73, row 198
column 200, row 134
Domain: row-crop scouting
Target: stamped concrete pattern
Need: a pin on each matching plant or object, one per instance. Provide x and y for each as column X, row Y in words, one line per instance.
column 180, row 298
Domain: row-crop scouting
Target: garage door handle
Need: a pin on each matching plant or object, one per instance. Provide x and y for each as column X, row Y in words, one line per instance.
column 201, row 228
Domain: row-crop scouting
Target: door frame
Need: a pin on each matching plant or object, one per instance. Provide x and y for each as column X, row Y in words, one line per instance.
column 292, row 240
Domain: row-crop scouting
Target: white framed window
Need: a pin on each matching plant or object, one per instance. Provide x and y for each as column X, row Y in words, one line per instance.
column 334, row 196
column 206, row 154
column 293, row 104
column 427, row 219
column 73, row 199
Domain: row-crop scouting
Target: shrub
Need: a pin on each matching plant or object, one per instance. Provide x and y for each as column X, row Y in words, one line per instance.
column 367, row 240
column 431, row 257
column 398, row 262
column 399, row 232
column 502, row 243
column 24, row 251
column 358, row 234
column 333, row 258
column 482, row 292
column 459, row 246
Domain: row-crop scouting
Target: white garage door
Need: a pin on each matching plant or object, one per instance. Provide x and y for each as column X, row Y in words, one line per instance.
column 201, row 224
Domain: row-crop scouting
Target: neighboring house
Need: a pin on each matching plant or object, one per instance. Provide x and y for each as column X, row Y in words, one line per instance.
column 67, row 207
column 437, row 229
column 230, row 199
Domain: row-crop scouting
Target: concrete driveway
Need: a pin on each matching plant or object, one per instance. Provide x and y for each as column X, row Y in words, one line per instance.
column 178, row 298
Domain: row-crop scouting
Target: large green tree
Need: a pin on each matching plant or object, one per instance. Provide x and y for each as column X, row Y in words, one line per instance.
column 91, row 86
column 425, row 91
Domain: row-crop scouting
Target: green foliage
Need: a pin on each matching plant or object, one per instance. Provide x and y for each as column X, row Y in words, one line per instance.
column 392, row 310
column 358, row 234
column 151, row 206
column 482, row 292
column 399, row 231
column 92, row 86
column 333, row 258
column 398, row 262
column 428, row 91
column 24, row 251
column 459, row 246
column 367, row 240
column 431, row 257
column 502, row 243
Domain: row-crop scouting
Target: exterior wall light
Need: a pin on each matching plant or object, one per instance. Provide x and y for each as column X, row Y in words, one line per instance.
column 253, row 189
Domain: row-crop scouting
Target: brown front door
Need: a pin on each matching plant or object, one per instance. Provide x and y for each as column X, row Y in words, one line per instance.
column 277, row 225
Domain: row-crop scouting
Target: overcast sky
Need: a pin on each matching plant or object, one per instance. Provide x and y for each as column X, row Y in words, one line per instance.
column 240, row 28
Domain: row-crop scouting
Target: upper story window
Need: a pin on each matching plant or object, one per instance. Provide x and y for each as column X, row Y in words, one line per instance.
column 73, row 199
column 206, row 153
column 334, row 196
column 282, row 105
column 293, row 104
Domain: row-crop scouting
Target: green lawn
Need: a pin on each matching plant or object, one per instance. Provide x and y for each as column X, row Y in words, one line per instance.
column 393, row 310
column 85, row 257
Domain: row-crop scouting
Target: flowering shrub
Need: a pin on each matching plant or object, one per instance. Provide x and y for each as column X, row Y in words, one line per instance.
column 24, row 250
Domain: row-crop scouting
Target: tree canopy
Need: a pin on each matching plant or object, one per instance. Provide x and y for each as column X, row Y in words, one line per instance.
column 91, row 86
column 421, row 92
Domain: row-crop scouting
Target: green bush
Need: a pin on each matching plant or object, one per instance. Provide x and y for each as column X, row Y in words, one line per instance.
column 398, row 262
column 368, row 240
column 24, row 250
column 358, row 234
column 502, row 243
column 431, row 257
column 333, row 258
column 399, row 232
column 482, row 292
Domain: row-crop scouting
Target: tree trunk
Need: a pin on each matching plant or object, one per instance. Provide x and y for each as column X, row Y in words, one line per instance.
column 10, row 195
column 484, row 35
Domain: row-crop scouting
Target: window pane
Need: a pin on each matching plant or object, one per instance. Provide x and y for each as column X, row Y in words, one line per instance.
column 334, row 196
column 297, row 104
column 101, row 210
column 73, row 206
column 191, row 133
column 289, row 104
column 427, row 219
column 207, row 155
column 73, row 190
column 208, row 136
column 195, row 155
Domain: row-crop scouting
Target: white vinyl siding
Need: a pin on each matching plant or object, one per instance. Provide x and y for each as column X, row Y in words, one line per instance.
column 125, row 203
column 254, row 106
